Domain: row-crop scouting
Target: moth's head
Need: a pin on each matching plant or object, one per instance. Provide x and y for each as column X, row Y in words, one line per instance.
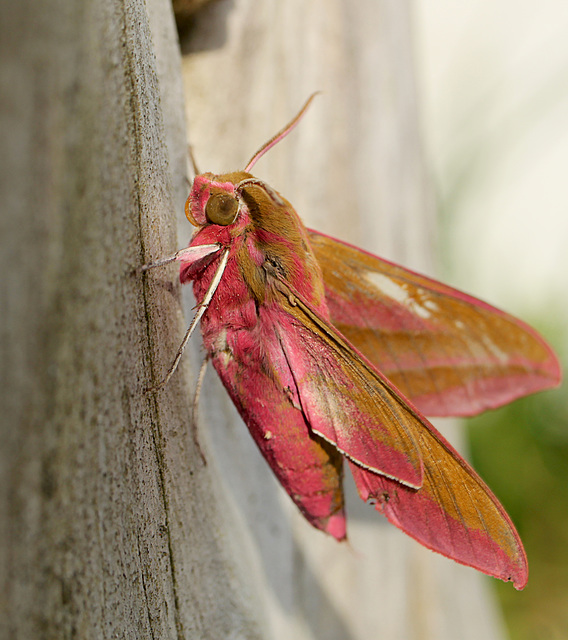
column 215, row 199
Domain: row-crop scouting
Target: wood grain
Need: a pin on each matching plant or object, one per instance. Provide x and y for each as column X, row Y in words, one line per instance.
column 111, row 526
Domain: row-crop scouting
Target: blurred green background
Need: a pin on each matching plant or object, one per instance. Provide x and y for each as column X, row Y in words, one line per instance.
column 493, row 79
column 522, row 453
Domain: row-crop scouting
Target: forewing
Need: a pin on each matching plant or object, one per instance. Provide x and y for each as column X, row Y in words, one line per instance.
column 447, row 352
column 453, row 513
column 349, row 403
column 345, row 400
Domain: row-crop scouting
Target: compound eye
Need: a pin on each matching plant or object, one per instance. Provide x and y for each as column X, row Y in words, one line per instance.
column 221, row 208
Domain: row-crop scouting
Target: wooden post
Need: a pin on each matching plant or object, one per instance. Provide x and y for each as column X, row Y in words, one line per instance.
column 111, row 526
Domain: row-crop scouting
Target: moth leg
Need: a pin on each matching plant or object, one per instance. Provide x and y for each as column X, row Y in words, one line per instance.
column 159, row 263
column 196, row 318
column 195, row 407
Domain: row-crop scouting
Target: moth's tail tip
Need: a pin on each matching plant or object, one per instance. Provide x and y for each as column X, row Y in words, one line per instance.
column 336, row 527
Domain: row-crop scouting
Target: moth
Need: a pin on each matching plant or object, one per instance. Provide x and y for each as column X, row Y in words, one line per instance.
column 332, row 355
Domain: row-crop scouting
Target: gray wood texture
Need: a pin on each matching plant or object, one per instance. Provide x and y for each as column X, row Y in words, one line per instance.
column 111, row 526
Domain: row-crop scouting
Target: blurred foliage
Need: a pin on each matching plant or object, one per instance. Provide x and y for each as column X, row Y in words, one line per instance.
column 521, row 451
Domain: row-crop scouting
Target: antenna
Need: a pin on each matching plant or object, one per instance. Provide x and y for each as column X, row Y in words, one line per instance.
column 280, row 135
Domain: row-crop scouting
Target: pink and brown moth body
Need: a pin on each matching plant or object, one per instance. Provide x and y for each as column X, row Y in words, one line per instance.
column 330, row 353
column 241, row 335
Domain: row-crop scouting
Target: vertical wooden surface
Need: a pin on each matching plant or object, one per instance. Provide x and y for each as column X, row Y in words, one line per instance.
column 110, row 525
column 354, row 168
